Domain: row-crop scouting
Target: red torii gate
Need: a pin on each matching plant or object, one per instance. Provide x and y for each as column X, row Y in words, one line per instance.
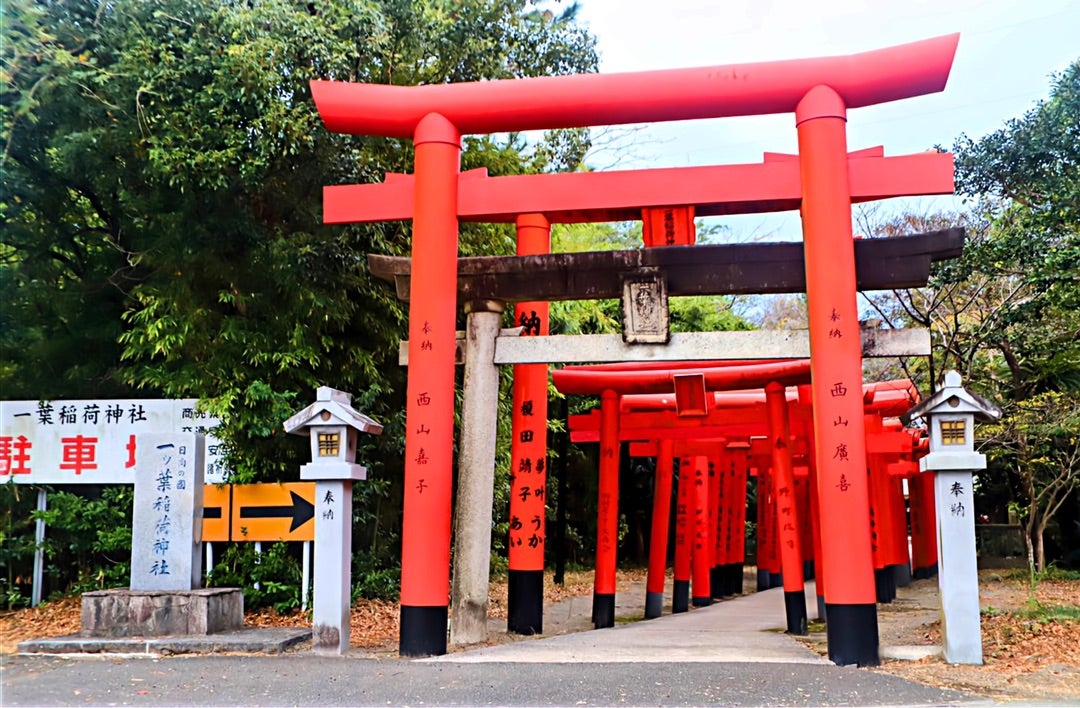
column 818, row 91
column 610, row 385
column 733, row 416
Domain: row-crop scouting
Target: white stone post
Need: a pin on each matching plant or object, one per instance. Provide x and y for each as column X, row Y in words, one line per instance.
column 476, row 476
column 958, row 574
column 951, row 414
column 332, row 599
column 332, row 425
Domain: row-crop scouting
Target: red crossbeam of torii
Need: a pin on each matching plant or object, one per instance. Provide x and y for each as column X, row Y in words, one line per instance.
column 620, row 195
column 760, row 88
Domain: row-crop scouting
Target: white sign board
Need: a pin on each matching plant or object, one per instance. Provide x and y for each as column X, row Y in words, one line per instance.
column 93, row 442
column 167, row 523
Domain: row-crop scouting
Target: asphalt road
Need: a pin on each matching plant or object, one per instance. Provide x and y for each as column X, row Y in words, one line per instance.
column 307, row 680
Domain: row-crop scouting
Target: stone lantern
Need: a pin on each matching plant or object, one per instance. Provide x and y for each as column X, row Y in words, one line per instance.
column 951, row 414
column 333, row 427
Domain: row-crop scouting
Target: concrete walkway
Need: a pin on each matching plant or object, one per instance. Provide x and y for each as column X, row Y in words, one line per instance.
column 746, row 629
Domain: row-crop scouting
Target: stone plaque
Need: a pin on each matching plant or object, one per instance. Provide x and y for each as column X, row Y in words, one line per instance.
column 645, row 308
column 167, row 525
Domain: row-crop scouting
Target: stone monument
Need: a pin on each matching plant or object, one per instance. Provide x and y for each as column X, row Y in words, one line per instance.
column 166, row 569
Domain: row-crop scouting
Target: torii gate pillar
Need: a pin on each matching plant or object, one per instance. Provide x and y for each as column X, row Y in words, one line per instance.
column 836, row 373
column 528, row 456
column 429, row 412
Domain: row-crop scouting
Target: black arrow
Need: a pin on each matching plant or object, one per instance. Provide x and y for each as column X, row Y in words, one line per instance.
column 301, row 511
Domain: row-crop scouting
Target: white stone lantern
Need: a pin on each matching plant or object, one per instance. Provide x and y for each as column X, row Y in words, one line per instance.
column 951, row 414
column 333, row 426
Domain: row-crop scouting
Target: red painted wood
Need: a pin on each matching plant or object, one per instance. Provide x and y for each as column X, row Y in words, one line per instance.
column 836, row 347
column 528, row 446
column 429, row 435
column 761, row 88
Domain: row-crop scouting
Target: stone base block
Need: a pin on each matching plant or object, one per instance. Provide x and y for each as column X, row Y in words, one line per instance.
column 156, row 613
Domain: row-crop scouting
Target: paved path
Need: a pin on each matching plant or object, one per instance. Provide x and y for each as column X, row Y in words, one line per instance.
column 744, row 629
column 718, row 655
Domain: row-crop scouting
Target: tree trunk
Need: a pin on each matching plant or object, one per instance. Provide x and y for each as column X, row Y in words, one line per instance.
column 1028, row 531
column 1040, row 548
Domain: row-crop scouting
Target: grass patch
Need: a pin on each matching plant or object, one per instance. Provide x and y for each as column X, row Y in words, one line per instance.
column 1051, row 613
column 1055, row 573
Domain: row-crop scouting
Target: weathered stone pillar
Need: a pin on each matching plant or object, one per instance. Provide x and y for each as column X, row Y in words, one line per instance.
column 476, row 475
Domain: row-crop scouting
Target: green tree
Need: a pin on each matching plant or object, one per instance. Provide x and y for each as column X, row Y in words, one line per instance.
column 162, row 195
column 1028, row 177
column 1040, row 441
column 163, row 169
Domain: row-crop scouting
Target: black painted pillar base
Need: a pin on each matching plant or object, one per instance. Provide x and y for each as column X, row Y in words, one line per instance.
column 808, row 570
column 716, row 581
column 821, row 614
column 701, row 601
column 884, row 585
column 901, row 575
column 795, row 609
column 776, row 580
column 680, row 596
column 735, row 579
column 525, row 601
column 763, row 580
column 852, row 634
column 924, row 573
column 423, row 630
column 603, row 610
column 654, row 605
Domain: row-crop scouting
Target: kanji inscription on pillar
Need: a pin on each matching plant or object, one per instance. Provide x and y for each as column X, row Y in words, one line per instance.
column 167, row 522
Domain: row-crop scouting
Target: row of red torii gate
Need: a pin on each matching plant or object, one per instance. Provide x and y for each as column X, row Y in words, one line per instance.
column 803, row 412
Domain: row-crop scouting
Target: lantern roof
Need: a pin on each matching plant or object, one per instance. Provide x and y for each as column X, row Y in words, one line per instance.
column 338, row 405
column 952, row 397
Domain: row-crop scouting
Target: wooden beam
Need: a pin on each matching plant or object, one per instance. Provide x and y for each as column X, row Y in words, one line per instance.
column 881, row 264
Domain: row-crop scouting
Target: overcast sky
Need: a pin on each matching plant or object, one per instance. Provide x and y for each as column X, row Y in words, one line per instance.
column 1008, row 50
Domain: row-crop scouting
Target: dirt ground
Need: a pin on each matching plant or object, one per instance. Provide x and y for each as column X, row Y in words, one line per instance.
column 1029, row 656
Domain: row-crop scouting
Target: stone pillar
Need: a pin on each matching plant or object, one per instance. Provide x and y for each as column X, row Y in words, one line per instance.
column 958, row 574
column 332, row 596
column 166, row 550
column 476, row 475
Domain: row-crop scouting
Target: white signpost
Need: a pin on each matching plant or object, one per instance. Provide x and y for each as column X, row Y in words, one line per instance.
column 92, row 442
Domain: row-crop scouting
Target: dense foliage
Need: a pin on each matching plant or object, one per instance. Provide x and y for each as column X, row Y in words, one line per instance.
column 163, row 165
